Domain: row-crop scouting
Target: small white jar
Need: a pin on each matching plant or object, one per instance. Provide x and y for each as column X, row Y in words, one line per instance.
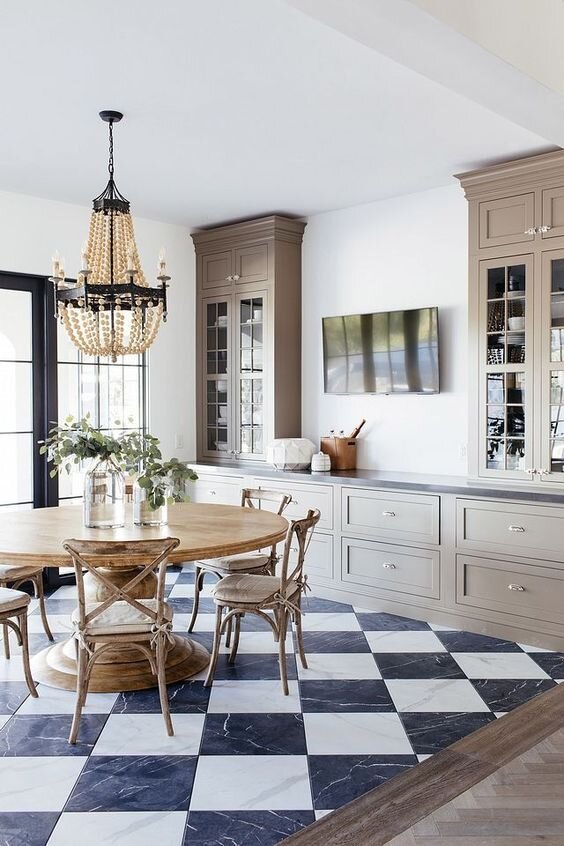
column 320, row 462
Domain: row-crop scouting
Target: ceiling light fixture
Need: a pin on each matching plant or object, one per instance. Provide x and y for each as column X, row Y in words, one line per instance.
column 110, row 310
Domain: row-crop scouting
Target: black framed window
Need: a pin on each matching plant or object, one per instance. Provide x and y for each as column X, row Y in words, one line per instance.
column 43, row 379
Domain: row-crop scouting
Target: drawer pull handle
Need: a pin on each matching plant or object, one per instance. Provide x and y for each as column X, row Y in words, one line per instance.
column 516, row 529
column 515, row 587
column 213, row 493
column 387, row 566
column 388, row 513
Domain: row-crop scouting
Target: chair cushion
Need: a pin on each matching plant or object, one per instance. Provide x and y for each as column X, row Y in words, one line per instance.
column 246, row 562
column 14, row 572
column 13, row 600
column 121, row 617
column 248, row 589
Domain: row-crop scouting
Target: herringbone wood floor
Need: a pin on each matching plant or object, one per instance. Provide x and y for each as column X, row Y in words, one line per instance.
column 520, row 804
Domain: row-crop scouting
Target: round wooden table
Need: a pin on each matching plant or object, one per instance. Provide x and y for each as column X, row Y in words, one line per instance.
column 204, row 531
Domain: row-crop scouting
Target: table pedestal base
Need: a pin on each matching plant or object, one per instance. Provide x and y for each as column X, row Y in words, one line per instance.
column 113, row 673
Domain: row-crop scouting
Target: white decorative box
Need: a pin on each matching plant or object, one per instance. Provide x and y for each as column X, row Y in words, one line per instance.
column 320, row 463
column 290, row 453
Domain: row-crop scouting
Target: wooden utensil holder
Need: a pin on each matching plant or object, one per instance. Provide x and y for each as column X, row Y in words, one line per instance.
column 342, row 452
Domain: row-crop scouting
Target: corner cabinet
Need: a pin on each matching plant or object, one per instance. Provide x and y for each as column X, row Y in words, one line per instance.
column 516, row 320
column 248, row 334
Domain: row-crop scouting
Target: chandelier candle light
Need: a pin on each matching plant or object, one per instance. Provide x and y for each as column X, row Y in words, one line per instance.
column 110, row 310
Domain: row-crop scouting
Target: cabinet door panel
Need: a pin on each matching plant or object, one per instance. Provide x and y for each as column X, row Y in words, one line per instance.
column 506, row 351
column 251, row 264
column 217, row 410
column 398, row 569
column 551, row 368
column 409, row 517
column 506, row 221
column 553, row 212
column 216, row 268
column 250, row 371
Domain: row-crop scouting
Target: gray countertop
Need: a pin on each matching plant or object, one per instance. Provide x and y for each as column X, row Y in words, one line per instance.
column 426, row 483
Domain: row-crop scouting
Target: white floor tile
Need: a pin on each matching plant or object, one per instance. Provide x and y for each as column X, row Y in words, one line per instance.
column 248, row 697
column 63, row 592
column 439, row 627
column 251, row 783
column 145, row 734
column 356, row 734
column 187, row 591
column 339, row 665
column 171, row 576
column 499, row 665
column 447, row 695
column 422, row 758
column 123, row 828
column 526, row 648
column 320, row 814
column 330, row 622
column 52, row 700
column 4, row 719
column 393, row 641
column 204, row 622
column 57, row 623
column 37, row 784
column 11, row 669
column 259, row 643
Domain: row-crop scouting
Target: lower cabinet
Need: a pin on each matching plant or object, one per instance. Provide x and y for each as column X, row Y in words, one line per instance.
column 377, row 567
column 319, row 558
column 223, row 490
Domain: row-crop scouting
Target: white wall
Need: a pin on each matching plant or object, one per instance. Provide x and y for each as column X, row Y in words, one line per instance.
column 32, row 228
column 406, row 252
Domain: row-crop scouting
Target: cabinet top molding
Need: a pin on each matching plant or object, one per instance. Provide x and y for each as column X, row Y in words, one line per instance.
column 518, row 175
column 274, row 226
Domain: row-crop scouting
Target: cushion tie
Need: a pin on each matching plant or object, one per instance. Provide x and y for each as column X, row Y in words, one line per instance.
column 162, row 629
column 289, row 606
column 82, row 642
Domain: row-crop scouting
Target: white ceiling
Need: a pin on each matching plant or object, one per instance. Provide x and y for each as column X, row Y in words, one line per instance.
column 246, row 107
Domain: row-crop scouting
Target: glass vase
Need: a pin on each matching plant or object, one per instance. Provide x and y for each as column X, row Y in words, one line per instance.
column 143, row 514
column 104, row 488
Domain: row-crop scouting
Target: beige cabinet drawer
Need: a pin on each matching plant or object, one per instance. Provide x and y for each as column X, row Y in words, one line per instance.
column 507, row 221
column 409, row 517
column 533, row 531
column 394, row 568
column 521, row 589
column 224, row 490
column 319, row 557
column 304, row 497
column 216, row 269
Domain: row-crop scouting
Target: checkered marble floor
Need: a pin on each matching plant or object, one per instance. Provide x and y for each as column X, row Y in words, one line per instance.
column 248, row 765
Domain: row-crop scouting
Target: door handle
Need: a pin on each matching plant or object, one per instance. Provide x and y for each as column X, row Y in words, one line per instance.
column 388, row 513
column 516, row 587
column 516, row 528
column 387, row 566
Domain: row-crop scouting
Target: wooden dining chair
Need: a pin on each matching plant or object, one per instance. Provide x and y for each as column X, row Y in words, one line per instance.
column 14, row 576
column 249, row 593
column 121, row 620
column 13, row 607
column 258, row 563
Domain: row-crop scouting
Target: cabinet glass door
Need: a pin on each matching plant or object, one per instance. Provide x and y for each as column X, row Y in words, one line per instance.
column 552, row 424
column 217, row 373
column 250, row 380
column 506, row 436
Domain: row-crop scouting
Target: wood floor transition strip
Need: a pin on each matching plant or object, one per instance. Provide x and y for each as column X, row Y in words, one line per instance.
column 390, row 809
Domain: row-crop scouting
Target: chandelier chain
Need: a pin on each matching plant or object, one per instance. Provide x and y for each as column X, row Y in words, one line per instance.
column 111, row 149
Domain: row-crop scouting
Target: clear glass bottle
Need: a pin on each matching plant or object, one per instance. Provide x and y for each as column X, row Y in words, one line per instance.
column 104, row 488
column 143, row 514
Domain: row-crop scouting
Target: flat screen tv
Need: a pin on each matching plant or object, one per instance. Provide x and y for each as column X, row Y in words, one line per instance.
column 390, row 352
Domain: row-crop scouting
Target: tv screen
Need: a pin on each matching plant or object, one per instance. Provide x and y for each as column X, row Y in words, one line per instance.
column 391, row 352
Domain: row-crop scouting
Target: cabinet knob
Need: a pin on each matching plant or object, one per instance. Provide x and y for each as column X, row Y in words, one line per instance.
column 387, row 566
column 543, row 472
column 516, row 528
column 515, row 587
column 229, row 278
column 532, row 231
column 235, row 277
column 213, row 493
column 544, row 228
column 531, row 471
column 388, row 513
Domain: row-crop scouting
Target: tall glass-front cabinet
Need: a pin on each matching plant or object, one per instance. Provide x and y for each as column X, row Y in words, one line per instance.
column 248, row 337
column 516, row 319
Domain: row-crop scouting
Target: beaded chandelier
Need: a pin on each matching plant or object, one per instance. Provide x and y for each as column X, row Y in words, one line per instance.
column 110, row 310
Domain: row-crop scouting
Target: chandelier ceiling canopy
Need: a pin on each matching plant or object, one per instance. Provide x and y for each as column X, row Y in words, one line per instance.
column 110, row 310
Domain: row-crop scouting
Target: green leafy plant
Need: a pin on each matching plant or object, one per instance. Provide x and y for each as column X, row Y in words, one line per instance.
column 136, row 453
column 76, row 441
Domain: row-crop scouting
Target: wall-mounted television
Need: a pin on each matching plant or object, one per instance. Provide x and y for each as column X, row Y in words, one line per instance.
column 390, row 352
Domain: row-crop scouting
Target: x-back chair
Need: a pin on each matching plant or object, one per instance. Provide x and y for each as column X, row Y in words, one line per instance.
column 259, row 594
column 121, row 620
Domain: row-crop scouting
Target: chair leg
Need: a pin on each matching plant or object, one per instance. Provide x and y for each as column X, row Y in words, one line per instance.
column 40, row 596
column 22, row 622
column 228, row 632
column 81, row 691
column 198, row 585
column 5, row 638
column 236, row 635
column 283, row 618
column 161, row 678
column 216, row 643
column 300, row 636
